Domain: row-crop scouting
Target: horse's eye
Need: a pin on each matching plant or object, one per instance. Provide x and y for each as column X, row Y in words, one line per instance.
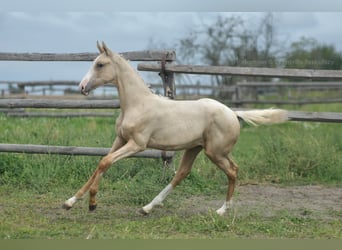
column 99, row 65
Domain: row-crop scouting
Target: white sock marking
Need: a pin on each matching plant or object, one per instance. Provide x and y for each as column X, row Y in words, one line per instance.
column 70, row 202
column 226, row 205
column 158, row 199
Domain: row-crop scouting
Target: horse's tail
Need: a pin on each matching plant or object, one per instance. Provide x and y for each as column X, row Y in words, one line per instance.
column 263, row 116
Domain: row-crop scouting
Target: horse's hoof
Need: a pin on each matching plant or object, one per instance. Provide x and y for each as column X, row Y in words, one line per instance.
column 66, row 207
column 92, row 207
column 142, row 212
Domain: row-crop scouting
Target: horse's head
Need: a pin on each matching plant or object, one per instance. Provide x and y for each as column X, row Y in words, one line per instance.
column 102, row 71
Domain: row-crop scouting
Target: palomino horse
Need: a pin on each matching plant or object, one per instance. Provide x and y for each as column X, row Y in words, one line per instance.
column 151, row 121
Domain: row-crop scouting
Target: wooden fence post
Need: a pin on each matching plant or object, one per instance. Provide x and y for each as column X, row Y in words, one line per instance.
column 169, row 91
column 238, row 96
column 168, row 78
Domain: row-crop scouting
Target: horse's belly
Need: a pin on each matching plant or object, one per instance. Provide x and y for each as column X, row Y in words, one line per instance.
column 176, row 138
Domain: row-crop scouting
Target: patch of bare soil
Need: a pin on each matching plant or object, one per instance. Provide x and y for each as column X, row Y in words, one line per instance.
column 316, row 202
column 267, row 200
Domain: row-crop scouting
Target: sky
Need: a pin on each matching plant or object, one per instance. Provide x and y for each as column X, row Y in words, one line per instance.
column 68, row 31
column 126, row 31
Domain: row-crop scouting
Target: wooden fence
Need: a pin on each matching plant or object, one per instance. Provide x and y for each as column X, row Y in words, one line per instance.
column 70, row 150
column 245, row 71
column 114, row 104
column 164, row 57
column 238, row 97
column 279, row 93
column 166, row 70
column 147, row 55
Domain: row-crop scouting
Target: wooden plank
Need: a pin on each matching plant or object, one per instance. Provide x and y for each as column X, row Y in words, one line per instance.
column 96, row 104
column 4, row 110
column 190, row 86
column 75, row 84
column 147, row 55
column 309, row 116
column 47, row 56
column 150, row 55
column 283, row 102
column 195, row 87
column 244, row 71
column 59, row 104
column 60, row 115
column 71, row 150
column 48, row 83
column 291, row 84
column 315, row 116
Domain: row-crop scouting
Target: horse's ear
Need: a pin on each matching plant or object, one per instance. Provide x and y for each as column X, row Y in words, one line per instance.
column 100, row 48
column 106, row 49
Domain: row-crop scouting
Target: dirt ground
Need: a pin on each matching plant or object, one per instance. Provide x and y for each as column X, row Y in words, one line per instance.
column 317, row 202
column 266, row 200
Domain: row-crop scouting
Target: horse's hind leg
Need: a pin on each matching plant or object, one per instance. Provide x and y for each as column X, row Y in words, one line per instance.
column 183, row 170
column 229, row 167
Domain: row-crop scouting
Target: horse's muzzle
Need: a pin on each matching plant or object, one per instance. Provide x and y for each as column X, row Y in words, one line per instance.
column 83, row 89
column 85, row 85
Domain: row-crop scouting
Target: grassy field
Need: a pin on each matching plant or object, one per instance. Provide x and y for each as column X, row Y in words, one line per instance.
column 33, row 187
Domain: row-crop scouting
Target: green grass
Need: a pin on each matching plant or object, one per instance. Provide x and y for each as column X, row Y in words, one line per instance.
column 297, row 153
column 33, row 187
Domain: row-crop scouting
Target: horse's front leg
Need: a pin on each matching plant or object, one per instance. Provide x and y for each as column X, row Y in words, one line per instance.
column 92, row 184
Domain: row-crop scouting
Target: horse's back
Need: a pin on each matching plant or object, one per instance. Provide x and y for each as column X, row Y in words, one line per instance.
column 219, row 112
column 205, row 111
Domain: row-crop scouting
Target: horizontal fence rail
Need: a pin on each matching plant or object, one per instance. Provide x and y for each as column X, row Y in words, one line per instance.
column 59, row 104
column 310, row 116
column 283, row 102
column 293, row 115
column 42, row 83
column 191, row 91
column 148, row 55
column 291, row 84
column 296, row 84
column 315, row 116
column 70, row 150
column 110, row 104
column 13, row 113
column 244, row 71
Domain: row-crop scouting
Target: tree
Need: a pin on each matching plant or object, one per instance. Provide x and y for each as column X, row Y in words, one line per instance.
column 230, row 41
column 308, row 53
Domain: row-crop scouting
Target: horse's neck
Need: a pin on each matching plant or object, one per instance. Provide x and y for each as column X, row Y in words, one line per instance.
column 131, row 87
